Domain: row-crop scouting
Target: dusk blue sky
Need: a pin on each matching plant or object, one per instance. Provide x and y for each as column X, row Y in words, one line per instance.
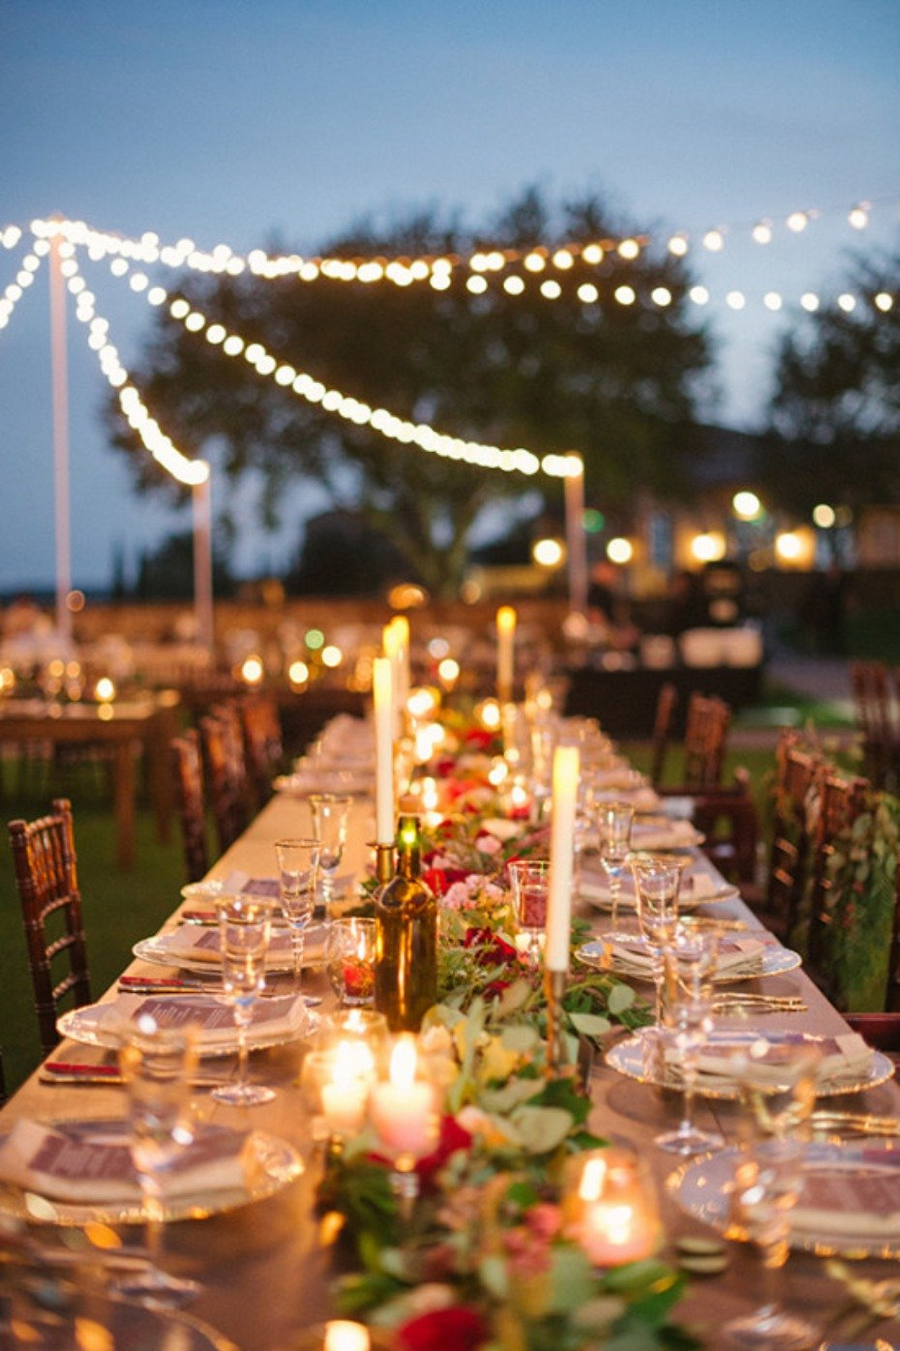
column 247, row 120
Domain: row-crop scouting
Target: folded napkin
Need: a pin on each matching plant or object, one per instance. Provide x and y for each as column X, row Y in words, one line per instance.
column 90, row 1162
column 857, row 1195
column 733, row 954
column 643, row 799
column 842, row 1057
column 325, row 780
column 190, row 943
column 663, row 835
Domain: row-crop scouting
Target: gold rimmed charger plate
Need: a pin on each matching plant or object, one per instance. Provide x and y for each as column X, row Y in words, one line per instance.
column 703, row 1188
column 599, row 899
column 102, row 1025
column 772, row 961
column 274, row 1164
column 633, row 1057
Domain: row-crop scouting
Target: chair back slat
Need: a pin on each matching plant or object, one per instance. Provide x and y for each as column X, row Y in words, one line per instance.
column 705, row 740
column 662, row 729
column 226, row 773
column 47, row 881
column 263, row 749
column 187, row 767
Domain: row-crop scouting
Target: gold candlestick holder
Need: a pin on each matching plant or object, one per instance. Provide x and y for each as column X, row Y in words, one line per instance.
column 384, row 863
column 557, row 1049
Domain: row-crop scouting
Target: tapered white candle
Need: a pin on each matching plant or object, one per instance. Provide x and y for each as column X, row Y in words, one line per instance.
column 400, row 625
column 390, row 641
column 506, row 637
column 382, row 687
column 562, row 854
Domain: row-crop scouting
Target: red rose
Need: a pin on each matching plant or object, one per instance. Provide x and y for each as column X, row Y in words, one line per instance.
column 458, row 1327
column 497, row 952
column 480, row 738
column 442, row 879
column 453, row 1137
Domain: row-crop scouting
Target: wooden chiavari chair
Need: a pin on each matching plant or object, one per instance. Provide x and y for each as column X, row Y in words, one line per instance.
column 226, row 773
column 263, row 748
column 47, row 880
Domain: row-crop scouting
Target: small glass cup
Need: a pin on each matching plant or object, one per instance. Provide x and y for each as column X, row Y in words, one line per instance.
column 690, row 961
column 350, row 959
column 530, row 881
column 330, row 812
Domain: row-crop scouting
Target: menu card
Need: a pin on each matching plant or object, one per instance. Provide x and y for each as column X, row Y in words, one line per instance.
column 91, row 1162
column 856, row 1194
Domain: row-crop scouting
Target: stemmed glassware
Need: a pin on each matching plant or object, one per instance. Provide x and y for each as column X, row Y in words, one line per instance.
column 298, row 870
column 657, row 879
column 615, row 821
column 329, row 813
column 530, row 881
column 777, row 1101
column 157, row 1064
column 690, row 961
column 244, row 929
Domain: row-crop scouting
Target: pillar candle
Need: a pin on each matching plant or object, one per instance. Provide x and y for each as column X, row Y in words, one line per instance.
column 506, row 637
column 562, row 853
column 382, row 686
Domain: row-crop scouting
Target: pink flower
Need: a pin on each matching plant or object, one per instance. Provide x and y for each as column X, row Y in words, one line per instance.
column 488, row 844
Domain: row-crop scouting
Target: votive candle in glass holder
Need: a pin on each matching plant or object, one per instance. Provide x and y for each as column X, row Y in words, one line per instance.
column 342, row 1335
column 610, row 1207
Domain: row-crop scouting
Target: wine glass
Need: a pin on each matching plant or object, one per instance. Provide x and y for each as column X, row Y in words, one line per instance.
column 690, row 961
column 329, row 813
column 244, row 928
column 350, row 959
column 777, row 1101
column 530, row 880
column 615, row 821
column 657, row 878
column 298, row 867
column 157, row 1064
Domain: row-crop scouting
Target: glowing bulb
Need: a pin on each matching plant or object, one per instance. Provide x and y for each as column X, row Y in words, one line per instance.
column 859, row 217
column 746, row 505
column 551, row 290
column 797, row 221
column 788, row 546
column 592, row 253
column 884, row 302
column 736, row 300
column 762, row 232
column 562, row 259
column 699, row 295
column 625, row 295
column 620, row 550
column 772, row 300
column 714, row 240
column 824, row 516
column 547, row 553
column 847, row 303
column 535, row 263
column 661, row 295
column 588, row 293
column 810, row 301
column 678, row 246
column 628, row 249
column 477, row 285
column 514, row 286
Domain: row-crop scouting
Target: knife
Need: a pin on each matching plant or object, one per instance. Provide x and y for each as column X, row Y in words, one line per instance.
column 74, row 1072
column 187, row 985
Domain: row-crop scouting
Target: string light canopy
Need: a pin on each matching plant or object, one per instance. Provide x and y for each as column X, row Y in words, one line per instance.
column 546, row 260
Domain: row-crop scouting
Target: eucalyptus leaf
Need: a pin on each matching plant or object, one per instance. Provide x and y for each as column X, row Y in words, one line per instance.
column 590, row 1024
column 492, row 1271
column 522, row 1037
column 541, row 1129
column 620, row 998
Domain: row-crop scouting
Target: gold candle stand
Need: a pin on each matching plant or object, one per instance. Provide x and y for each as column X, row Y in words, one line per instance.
column 557, row 1050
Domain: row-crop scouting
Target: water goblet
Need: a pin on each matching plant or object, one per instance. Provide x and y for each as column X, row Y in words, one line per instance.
column 530, row 881
column 657, row 878
column 777, row 1101
column 329, row 813
column 156, row 1064
column 690, row 961
column 350, row 959
column 244, row 928
column 615, row 820
column 298, row 868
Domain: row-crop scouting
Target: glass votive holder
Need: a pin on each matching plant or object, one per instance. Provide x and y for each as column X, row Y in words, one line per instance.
column 336, row 1082
column 350, row 959
column 610, row 1207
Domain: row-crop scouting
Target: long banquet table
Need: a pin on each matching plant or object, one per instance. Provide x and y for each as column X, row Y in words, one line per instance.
column 263, row 1269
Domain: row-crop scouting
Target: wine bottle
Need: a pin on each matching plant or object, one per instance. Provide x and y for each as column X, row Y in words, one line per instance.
column 406, row 937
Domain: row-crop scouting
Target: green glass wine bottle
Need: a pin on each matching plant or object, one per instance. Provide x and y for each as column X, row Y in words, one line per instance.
column 406, row 937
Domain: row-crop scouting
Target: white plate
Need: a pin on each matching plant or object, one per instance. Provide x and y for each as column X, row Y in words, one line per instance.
column 774, row 960
column 598, row 897
column 629, row 1058
column 167, row 949
column 703, row 1189
column 277, row 1164
column 103, row 1024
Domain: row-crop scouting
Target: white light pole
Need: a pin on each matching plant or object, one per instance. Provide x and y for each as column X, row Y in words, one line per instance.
column 60, row 388
column 203, row 584
column 576, row 545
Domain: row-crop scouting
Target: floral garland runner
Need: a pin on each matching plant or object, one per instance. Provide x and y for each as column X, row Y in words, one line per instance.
column 489, row 1258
